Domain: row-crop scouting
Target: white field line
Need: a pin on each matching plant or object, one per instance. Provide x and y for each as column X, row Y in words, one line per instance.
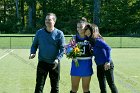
column 134, row 76
column 5, row 50
column 6, row 54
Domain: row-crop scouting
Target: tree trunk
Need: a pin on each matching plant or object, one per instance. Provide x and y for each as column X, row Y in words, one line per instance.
column 22, row 13
column 17, row 12
column 34, row 13
column 4, row 12
column 44, row 10
column 30, row 16
column 84, row 5
column 96, row 14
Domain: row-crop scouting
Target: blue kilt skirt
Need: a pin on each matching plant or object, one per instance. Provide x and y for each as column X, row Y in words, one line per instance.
column 83, row 70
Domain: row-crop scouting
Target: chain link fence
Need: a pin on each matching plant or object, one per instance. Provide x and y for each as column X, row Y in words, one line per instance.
column 25, row 42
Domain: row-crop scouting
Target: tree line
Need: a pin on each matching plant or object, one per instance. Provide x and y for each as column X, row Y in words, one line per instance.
column 114, row 17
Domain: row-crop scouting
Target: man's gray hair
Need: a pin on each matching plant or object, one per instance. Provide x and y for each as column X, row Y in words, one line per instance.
column 52, row 14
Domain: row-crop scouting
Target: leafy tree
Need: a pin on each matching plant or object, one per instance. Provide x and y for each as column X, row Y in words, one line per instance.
column 114, row 17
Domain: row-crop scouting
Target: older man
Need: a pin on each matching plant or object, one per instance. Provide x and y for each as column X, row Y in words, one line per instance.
column 50, row 42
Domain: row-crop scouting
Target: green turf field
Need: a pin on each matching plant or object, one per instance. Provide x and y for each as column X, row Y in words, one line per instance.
column 18, row 73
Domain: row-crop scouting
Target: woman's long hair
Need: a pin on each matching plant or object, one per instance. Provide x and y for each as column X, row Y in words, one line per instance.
column 93, row 29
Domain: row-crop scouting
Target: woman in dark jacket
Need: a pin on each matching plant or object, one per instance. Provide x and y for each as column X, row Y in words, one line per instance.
column 101, row 52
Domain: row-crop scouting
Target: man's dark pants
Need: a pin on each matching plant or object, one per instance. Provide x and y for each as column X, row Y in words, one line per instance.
column 43, row 69
column 106, row 75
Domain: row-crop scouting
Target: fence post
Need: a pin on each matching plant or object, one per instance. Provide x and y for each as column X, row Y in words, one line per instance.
column 121, row 41
column 32, row 39
column 10, row 42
